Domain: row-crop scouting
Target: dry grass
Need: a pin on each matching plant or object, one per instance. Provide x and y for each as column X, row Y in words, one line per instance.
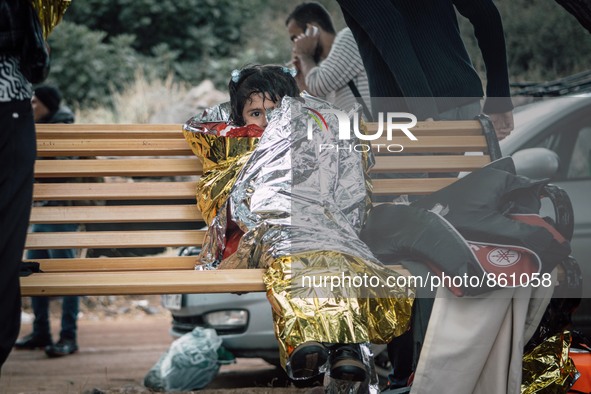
column 154, row 101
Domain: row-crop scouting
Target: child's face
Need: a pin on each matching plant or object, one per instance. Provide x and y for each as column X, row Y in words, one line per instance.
column 255, row 109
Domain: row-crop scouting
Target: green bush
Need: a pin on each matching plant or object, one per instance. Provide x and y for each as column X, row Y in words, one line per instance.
column 544, row 41
column 197, row 29
column 86, row 68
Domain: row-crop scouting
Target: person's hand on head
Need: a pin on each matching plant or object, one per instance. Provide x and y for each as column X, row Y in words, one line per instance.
column 305, row 44
column 503, row 123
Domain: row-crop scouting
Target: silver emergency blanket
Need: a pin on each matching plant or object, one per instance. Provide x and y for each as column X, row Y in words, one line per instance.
column 301, row 209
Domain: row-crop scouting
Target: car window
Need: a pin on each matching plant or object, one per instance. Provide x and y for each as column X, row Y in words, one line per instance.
column 580, row 163
column 570, row 138
column 572, row 142
column 551, row 142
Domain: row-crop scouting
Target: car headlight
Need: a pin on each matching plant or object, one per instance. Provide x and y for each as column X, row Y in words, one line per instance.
column 226, row 319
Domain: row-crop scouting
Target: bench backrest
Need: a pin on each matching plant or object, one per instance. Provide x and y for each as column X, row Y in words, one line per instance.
column 133, row 186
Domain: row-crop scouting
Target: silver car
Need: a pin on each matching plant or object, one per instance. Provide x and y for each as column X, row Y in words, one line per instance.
column 551, row 139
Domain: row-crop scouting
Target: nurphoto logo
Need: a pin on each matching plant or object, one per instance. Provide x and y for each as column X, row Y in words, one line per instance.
column 394, row 121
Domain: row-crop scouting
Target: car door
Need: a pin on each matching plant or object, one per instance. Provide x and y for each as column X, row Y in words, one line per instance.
column 570, row 137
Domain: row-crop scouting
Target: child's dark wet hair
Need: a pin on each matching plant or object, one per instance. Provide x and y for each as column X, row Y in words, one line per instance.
column 274, row 81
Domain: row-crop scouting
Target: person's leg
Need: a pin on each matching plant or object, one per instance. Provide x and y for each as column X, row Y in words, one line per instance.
column 67, row 343
column 41, row 328
column 70, row 308
column 17, row 157
column 503, row 368
column 400, row 354
column 404, row 351
column 41, row 325
column 464, row 337
column 41, row 335
column 530, row 309
column 70, row 304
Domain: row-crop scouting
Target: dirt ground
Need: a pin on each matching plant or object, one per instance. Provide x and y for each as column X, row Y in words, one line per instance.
column 120, row 339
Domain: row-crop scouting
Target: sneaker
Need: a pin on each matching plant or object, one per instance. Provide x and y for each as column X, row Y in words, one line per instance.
column 62, row 348
column 307, row 360
column 32, row 341
column 346, row 364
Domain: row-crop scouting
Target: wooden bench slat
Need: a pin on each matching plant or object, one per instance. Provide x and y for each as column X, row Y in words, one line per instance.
column 392, row 164
column 447, row 144
column 114, row 191
column 452, row 127
column 177, row 147
column 114, row 131
column 148, row 282
column 94, row 264
column 143, row 282
column 111, row 127
column 119, row 167
column 383, row 187
column 186, row 190
column 113, row 147
column 107, row 131
column 115, row 239
column 116, row 214
column 190, row 166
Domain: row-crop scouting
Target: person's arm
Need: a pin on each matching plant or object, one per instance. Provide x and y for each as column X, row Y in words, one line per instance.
column 488, row 29
column 341, row 66
column 303, row 50
column 299, row 77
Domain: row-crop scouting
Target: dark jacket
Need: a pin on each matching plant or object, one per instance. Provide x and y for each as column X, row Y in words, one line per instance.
column 62, row 115
column 12, row 17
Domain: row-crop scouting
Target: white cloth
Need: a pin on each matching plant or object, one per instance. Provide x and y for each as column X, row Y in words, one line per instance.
column 474, row 345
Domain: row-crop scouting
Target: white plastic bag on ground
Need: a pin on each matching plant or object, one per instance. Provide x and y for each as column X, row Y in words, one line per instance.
column 190, row 363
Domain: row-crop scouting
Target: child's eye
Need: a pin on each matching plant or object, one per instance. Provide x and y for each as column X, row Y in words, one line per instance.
column 255, row 113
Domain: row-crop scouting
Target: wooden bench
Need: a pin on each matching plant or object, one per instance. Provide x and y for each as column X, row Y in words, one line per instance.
column 153, row 164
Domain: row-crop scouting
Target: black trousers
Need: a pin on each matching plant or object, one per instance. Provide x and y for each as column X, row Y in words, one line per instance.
column 17, row 158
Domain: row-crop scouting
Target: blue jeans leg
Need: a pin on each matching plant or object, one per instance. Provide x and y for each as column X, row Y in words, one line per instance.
column 70, row 307
column 41, row 310
column 40, row 304
column 70, row 304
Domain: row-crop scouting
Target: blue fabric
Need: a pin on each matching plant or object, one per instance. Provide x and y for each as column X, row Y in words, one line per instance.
column 70, row 304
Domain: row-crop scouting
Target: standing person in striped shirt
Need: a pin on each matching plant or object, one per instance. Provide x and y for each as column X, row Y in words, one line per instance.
column 328, row 63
